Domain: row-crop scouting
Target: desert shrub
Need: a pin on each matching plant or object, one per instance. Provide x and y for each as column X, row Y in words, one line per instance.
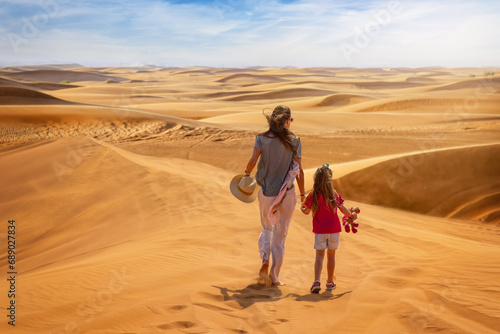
column 64, row 82
column 486, row 73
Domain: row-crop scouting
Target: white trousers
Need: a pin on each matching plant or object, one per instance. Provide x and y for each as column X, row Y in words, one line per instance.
column 272, row 238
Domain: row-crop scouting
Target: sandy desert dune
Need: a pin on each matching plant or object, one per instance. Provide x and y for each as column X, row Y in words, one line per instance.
column 118, row 182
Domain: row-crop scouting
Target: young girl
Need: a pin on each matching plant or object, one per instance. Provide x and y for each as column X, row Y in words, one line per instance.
column 324, row 201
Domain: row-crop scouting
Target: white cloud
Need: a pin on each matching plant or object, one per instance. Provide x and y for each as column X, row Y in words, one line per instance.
column 247, row 33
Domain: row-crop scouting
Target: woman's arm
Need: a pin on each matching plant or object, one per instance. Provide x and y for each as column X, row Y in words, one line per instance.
column 253, row 160
column 305, row 209
column 300, row 180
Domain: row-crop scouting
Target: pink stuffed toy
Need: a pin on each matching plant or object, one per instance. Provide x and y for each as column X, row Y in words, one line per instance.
column 350, row 223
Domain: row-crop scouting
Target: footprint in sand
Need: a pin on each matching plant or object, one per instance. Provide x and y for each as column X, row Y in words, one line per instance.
column 212, row 307
column 178, row 307
column 177, row 325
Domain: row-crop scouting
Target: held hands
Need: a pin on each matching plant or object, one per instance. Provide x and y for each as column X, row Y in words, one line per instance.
column 303, row 208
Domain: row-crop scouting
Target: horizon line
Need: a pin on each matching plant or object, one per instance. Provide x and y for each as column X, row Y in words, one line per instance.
column 77, row 65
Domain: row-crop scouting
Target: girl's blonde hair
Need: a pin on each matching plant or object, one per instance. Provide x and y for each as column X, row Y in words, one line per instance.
column 323, row 184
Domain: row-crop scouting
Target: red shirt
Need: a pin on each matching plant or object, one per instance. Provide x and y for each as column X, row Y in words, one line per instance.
column 326, row 220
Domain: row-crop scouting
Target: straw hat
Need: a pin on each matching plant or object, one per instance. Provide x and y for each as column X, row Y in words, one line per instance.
column 244, row 188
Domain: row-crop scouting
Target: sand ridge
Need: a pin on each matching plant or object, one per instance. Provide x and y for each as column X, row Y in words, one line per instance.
column 119, row 188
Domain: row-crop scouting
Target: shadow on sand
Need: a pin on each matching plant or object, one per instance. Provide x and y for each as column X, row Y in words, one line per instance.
column 255, row 293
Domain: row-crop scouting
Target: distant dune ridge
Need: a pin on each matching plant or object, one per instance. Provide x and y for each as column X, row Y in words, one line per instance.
column 125, row 222
column 422, row 183
column 59, row 75
column 16, row 95
column 4, row 82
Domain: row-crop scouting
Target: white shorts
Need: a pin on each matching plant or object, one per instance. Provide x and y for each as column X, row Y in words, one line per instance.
column 324, row 241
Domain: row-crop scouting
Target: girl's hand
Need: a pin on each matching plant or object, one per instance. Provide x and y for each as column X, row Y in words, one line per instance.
column 304, row 209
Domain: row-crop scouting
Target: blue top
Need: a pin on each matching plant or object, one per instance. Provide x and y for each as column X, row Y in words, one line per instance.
column 275, row 160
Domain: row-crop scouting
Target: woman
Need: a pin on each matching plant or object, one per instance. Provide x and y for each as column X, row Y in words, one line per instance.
column 277, row 148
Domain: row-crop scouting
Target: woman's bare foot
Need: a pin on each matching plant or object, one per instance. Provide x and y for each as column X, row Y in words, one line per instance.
column 279, row 283
column 264, row 278
column 265, row 266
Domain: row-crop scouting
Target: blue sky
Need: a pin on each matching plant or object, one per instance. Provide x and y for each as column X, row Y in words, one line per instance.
column 232, row 33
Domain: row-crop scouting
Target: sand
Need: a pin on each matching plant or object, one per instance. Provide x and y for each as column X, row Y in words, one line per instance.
column 118, row 182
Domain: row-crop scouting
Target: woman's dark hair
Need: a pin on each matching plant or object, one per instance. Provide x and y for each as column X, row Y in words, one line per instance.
column 277, row 128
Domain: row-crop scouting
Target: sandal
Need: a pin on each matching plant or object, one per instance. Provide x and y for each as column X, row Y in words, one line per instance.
column 330, row 285
column 316, row 287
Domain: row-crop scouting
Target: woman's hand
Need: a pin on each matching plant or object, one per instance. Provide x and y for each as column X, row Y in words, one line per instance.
column 253, row 160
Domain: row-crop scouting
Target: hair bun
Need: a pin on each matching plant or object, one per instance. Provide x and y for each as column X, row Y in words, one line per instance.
column 281, row 109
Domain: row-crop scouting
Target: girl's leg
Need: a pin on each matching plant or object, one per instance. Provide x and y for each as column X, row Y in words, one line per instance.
column 318, row 264
column 330, row 266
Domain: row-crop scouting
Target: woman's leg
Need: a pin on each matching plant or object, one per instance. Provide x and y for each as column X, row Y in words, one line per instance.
column 318, row 264
column 266, row 236
column 280, row 232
